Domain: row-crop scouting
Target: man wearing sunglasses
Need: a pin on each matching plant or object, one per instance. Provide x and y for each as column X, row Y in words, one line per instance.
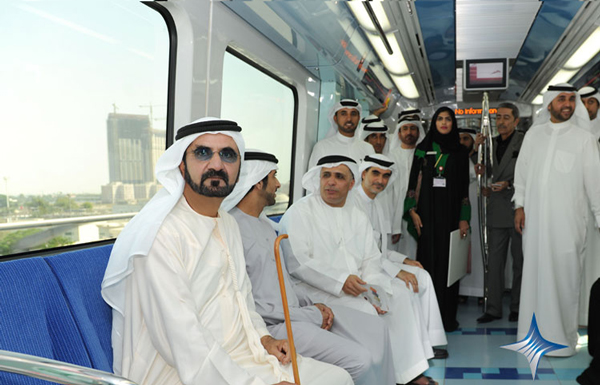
column 183, row 311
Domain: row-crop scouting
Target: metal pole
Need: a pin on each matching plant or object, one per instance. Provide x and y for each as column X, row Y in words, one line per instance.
column 484, row 158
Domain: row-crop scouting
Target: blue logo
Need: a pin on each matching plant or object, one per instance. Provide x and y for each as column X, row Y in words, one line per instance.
column 533, row 346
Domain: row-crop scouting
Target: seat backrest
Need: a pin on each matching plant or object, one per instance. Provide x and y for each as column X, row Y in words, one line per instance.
column 35, row 318
column 80, row 274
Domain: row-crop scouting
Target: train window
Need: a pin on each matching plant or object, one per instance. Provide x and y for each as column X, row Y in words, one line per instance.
column 264, row 107
column 84, row 94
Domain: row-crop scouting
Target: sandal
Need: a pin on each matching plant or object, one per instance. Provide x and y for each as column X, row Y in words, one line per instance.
column 429, row 379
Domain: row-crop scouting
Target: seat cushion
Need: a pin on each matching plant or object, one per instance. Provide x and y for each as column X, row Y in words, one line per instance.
column 80, row 275
column 35, row 318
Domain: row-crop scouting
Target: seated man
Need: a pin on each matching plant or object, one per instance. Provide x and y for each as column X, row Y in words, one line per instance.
column 183, row 311
column 377, row 172
column 334, row 254
column 351, row 339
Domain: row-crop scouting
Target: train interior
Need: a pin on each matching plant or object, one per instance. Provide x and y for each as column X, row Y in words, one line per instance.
column 94, row 92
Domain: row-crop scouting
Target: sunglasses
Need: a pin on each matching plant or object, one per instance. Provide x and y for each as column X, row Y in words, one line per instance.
column 227, row 154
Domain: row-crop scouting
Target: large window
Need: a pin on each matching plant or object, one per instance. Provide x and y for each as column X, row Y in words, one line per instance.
column 83, row 95
column 264, row 107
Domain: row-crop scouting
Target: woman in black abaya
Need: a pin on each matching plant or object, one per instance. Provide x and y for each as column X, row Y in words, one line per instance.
column 437, row 203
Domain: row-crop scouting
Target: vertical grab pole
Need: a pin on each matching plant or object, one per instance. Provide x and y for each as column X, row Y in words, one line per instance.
column 286, row 310
column 485, row 158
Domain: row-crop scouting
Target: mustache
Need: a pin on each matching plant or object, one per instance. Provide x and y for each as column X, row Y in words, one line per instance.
column 212, row 173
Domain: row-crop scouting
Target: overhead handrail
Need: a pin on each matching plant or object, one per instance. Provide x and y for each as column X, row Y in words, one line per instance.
column 64, row 221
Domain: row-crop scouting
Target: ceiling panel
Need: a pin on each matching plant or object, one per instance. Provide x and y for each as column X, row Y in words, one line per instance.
column 492, row 29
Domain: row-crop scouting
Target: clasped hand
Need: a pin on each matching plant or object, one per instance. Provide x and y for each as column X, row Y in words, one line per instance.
column 327, row 314
column 277, row 348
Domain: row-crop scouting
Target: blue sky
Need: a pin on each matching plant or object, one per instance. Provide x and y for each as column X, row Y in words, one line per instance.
column 62, row 69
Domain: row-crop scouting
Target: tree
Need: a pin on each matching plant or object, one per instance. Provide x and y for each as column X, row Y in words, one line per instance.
column 39, row 205
column 87, row 206
column 10, row 240
column 65, row 203
column 56, row 242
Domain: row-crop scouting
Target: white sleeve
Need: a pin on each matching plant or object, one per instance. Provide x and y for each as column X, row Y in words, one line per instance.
column 301, row 260
column 171, row 317
column 396, row 205
column 257, row 320
column 591, row 176
column 521, row 170
column 374, row 267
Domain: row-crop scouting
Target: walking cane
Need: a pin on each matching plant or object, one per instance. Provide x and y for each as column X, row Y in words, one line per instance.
column 286, row 310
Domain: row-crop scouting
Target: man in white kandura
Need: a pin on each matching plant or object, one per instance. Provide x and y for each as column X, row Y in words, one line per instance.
column 334, row 255
column 344, row 118
column 408, row 134
column 591, row 100
column 351, row 339
column 183, row 311
column 374, row 132
column 591, row 265
column 377, row 172
column 556, row 177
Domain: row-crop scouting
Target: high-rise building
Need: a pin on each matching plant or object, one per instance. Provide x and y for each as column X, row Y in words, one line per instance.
column 133, row 148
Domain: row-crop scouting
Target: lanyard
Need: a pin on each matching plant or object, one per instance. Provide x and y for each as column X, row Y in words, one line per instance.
column 440, row 165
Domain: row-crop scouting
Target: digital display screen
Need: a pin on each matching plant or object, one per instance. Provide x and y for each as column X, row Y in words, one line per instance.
column 486, row 74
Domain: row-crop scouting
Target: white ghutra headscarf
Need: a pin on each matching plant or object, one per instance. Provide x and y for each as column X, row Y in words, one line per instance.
column 344, row 103
column 138, row 235
column 311, row 181
column 256, row 166
column 580, row 117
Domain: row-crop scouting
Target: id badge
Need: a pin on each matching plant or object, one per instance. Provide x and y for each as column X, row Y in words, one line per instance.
column 439, row 181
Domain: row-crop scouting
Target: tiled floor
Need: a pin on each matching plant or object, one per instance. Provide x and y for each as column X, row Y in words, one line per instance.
column 475, row 356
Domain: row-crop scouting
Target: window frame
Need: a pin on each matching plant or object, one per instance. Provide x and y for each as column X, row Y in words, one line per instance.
column 169, row 132
column 272, row 75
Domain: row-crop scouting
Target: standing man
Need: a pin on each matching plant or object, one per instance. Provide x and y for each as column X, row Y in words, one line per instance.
column 408, row 135
column 344, row 118
column 591, row 100
column 556, row 177
column 500, row 216
column 183, row 311
column 348, row 338
column 376, row 134
column 335, row 258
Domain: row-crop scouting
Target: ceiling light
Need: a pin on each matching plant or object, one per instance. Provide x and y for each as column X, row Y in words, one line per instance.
column 585, row 52
column 562, row 76
column 395, row 62
column 382, row 76
column 406, row 86
column 359, row 11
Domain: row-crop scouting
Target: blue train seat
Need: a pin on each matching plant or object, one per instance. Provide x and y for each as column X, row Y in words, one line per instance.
column 80, row 275
column 35, row 317
column 51, row 307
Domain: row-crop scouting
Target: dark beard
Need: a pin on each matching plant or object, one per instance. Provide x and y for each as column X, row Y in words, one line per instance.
column 410, row 140
column 271, row 199
column 558, row 115
column 211, row 191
